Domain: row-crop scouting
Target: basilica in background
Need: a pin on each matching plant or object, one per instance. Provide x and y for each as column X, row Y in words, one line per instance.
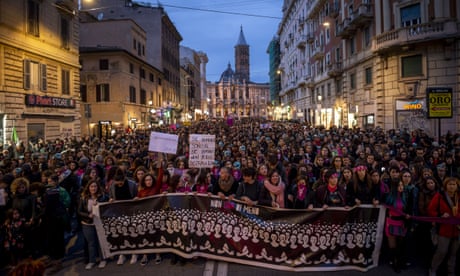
column 234, row 94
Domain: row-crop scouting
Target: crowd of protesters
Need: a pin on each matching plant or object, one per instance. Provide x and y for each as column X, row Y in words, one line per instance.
column 50, row 188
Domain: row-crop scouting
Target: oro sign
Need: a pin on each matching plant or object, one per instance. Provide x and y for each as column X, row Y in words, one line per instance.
column 439, row 102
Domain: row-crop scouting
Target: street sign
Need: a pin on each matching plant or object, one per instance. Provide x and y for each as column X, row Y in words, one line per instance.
column 439, row 102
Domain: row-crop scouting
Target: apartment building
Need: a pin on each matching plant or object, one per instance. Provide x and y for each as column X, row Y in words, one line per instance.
column 120, row 90
column 371, row 63
column 39, row 70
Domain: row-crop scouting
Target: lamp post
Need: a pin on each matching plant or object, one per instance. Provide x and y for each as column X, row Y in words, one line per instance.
column 319, row 109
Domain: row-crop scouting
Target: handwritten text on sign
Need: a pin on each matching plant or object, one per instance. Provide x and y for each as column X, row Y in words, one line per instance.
column 162, row 142
column 202, row 151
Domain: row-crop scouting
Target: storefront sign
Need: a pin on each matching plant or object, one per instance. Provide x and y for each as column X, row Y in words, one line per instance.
column 417, row 104
column 439, row 102
column 35, row 100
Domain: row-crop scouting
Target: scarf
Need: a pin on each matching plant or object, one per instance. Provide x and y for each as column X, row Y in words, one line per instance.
column 301, row 192
column 276, row 191
column 226, row 185
column 452, row 205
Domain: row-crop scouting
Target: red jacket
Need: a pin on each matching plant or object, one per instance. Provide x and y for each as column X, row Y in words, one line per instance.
column 437, row 207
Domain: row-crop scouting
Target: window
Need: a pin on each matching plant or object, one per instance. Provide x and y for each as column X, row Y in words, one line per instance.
column 142, row 73
column 352, row 45
column 151, row 77
column 84, row 93
column 411, row 66
column 367, row 37
column 134, row 43
column 33, row 17
column 328, row 35
column 132, row 94
column 159, row 81
column 338, row 56
column 103, row 92
column 65, row 82
column 139, row 49
column 131, row 68
column 368, row 76
column 34, row 76
column 328, row 89
column 410, row 15
column 143, row 97
column 353, row 81
column 65, row 33
column 103, row 64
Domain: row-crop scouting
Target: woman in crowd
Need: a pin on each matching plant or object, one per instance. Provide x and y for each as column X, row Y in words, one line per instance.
column 273, row 189
column 262, row 172
column 301, row 195
column 445, row 204
column 359, row 190
column 330, row 194
column 395, row 228
column 428, row 188
column 346, row 177
column 92, row 195
column 149, row 186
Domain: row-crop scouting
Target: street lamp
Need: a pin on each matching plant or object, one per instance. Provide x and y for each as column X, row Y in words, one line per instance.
column 319, row 109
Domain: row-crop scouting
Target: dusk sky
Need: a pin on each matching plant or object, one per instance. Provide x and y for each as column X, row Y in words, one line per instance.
column 216, row 33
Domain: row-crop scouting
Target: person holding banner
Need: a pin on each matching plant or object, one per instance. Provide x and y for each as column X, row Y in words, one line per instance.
column 149, row 186
column 445, row 204
column 225, row 186
column 123, row 189
column 92, row 194
column 330, row 194
column 249, row 189
column 273, row 190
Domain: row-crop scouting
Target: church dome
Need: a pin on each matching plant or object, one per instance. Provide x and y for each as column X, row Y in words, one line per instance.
column 227, row 75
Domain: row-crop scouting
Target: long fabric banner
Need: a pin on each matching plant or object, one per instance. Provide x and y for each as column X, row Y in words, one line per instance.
column 193, row 225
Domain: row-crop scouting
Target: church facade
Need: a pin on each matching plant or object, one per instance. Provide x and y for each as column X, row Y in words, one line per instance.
column 235, row 94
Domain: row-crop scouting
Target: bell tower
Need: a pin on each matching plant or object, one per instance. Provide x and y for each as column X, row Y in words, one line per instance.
column 242, row 58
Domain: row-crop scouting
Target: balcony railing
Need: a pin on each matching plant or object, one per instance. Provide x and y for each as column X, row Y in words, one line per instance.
column 345, row 29
column 362, row 15
column 334, row 69
column 301, row 41
column 310, row 37
column 421, row 32
column 317, row 52
column 335, row 9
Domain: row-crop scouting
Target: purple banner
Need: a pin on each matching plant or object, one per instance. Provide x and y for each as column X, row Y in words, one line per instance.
column 199, row 225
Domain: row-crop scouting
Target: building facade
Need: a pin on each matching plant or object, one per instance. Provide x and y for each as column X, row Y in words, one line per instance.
column 191, row 97
column 161, row 48
column 39, row 70
column 234, row 94
column 370, row 63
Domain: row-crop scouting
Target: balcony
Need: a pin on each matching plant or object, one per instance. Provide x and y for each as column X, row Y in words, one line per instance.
column 301, row 41
column 317, row 52
column 396, row 39
column 362, row 16
column 345, row 29
column 335, row 9
column 310, row 37
column 334, row 70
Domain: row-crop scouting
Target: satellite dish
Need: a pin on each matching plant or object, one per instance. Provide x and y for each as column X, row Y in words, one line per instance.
column 100, row 16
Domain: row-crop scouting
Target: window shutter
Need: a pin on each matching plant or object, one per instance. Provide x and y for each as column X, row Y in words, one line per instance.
column 98, row 93
column 43, row 82
column 26, row 72
column 107, row 93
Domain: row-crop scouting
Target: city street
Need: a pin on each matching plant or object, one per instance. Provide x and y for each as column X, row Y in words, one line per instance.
column 73, row 265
